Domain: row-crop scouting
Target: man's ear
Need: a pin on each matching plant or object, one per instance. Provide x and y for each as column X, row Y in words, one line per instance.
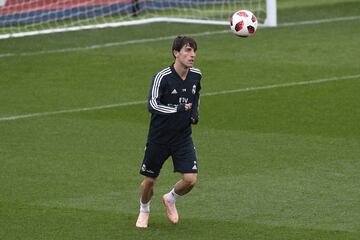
column 175, row 53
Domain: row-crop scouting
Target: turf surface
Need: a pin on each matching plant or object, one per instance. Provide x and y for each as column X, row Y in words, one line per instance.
column 280, row 162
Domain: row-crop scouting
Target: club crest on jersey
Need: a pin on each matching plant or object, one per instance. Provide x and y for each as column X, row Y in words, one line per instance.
column 193, row 89
column 143, row 168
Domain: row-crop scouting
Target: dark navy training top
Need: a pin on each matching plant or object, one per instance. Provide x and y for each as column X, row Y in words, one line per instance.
column 170, row 123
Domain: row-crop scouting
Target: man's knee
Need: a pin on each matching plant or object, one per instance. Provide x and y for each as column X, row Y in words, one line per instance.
column 148, row 182
column 190, row 179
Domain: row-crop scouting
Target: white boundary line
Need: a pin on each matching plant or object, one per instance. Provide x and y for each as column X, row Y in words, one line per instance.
column 282, row 85
column 326, row 20
column 107, row 45
column 148, row 40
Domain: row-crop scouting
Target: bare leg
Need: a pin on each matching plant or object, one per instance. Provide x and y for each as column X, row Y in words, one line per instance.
column 147, row 189
column 182, row 187
column 185, row 184
column 146, row 193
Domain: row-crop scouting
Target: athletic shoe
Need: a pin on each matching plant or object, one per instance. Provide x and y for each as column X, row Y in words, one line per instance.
column 143, row 220
column 171, row 211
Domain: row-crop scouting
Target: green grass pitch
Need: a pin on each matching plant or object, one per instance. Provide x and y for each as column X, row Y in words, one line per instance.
column 279, row 160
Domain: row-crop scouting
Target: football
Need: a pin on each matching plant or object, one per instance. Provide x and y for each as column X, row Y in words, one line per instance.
column 243, row 23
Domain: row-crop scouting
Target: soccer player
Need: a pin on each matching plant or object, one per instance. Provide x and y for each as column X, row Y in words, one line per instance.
column 173, row 102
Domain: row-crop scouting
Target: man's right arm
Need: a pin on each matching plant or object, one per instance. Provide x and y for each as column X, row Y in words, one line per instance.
column 156, row 92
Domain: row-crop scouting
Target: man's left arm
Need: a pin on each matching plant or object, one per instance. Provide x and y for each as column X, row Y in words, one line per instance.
column 194, row 116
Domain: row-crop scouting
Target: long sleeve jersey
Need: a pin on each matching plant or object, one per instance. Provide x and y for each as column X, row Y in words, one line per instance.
column 170, row 123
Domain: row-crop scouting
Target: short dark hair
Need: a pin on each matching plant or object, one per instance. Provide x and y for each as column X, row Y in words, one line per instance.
column 181, row 41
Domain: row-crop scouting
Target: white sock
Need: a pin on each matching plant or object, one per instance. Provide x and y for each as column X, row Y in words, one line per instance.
column 144, row 207
column 172, row 195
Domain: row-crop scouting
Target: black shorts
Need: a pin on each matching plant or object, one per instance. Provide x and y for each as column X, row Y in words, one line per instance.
column 183, row 156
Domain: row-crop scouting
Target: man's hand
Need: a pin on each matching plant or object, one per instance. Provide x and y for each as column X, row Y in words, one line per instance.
column 194, row 120
column 184, row 107
column 188, row 106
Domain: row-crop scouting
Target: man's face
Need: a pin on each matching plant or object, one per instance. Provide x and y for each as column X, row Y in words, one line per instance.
column 186, row 56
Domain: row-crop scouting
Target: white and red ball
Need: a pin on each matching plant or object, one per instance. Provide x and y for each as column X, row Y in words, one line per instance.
column 243, row 23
